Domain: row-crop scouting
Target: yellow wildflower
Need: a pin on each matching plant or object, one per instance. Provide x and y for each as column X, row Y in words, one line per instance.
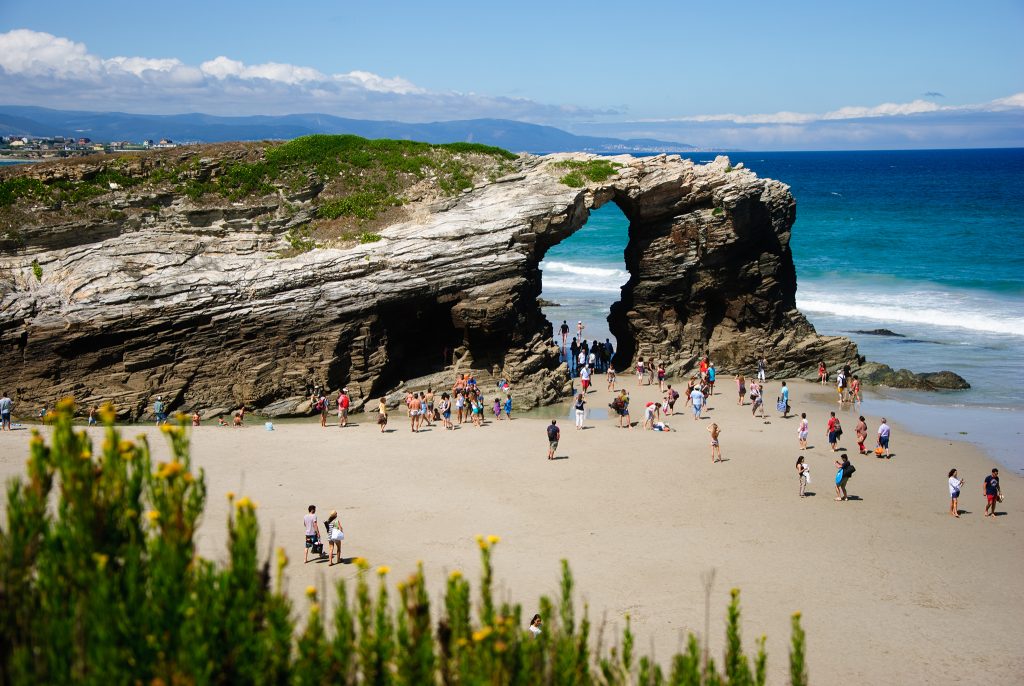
column 85, row 455
column 125, row 446
column 382, row 570
column 482, row 634
column 108, row 414
column 493, row 540
column 245, row 502
column 66, row 404
column 282, row 558
column 231, row 496
column 455, row 575
column 362, row 563
column 152, row 516
column 311, row 592
column 101, row 560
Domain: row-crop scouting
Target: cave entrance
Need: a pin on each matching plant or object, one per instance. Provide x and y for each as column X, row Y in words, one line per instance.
column 584, row 274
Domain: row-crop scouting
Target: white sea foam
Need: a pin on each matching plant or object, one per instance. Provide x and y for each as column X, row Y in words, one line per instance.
column 577, row 277
column 931, row 307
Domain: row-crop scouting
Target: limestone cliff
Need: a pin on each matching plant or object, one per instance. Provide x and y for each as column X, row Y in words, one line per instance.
column 201, row 296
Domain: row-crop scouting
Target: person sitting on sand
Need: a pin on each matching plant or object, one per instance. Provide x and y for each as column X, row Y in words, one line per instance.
column 196, row 418
column 716, row 449
column 220, row 421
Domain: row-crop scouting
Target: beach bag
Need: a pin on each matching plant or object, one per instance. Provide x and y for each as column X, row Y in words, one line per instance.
column 879, row 451
column 839, row 476
column 337, row 535
column 318, row 547
column 269, row 426
column 780, row 404
column 839, row 430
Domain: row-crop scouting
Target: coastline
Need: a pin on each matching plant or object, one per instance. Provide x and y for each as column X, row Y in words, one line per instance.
column 641, row 515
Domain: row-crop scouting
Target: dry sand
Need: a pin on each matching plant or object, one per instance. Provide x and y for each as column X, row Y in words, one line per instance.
column 891, row 587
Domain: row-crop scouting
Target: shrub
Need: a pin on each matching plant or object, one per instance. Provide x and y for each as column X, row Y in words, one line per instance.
column 37, row 270
column 592, row 170
column 104, row 586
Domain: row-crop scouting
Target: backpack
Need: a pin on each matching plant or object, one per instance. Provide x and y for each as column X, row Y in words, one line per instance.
column 850, row 469
column 838, row 428
column 675, row 394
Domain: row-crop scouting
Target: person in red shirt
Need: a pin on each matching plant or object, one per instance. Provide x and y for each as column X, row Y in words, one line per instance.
column 833, row 430
column 343, row 404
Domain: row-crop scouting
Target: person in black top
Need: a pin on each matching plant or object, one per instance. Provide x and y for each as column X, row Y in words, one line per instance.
column 992, row 493
column 843, row 474
column 553, row 434
column 565, row 332
column 574, row 348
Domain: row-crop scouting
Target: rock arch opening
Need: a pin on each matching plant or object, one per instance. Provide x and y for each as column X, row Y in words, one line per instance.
column 583, row 276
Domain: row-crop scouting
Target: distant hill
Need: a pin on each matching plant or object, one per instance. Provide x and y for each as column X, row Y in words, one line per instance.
column 117, row 126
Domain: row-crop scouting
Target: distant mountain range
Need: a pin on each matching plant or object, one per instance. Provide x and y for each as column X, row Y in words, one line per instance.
column 206, row 128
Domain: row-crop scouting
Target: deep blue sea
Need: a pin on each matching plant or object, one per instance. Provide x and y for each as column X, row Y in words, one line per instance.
column 929, row 244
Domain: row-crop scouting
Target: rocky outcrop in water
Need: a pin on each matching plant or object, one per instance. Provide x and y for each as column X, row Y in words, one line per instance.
column 153, row 292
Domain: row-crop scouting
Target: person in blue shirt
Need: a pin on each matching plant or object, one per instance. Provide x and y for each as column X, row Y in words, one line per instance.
column 784, row 402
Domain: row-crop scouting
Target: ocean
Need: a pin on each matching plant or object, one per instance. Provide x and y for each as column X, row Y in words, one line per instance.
column 928, row 244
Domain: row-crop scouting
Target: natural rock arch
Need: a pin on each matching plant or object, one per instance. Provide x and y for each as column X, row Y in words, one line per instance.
column 192, row 306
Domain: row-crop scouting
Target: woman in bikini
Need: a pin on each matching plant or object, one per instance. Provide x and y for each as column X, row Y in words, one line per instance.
column 716, row 449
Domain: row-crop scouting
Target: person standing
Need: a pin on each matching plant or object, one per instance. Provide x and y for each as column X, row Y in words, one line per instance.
column 757, row 398
column 861, row 431
column 845, row 471
column 993, row 493
column 784, row 401
column 579, row 330
column 671, row 396
column 801, row 432
column 822, row 373
column 762, row 369
column 553, row 435
column 312, row 530
column 585, row 378
column 565, row 333
column 883, row 438
column 955, row 484
column 344, row 402
column 581, row 410
column 160, row 410
column 741, row 388
column 535, row 624
column 697, row 398
column 716, row 448
column 6, row 404
column 833, row 437
column 855, row 391
column 382, row 414
column 610, row 376
column 711, row 379
column 640, row 371
column 335, row 535
column 661, row 377
column 803, row 475
column 508, row 406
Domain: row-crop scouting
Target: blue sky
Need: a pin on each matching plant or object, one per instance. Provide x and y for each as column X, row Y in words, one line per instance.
column 779, row 75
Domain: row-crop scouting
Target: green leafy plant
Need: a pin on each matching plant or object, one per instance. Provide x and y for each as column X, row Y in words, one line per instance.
column 101, row 583
column 37, row 270
column 367, row 237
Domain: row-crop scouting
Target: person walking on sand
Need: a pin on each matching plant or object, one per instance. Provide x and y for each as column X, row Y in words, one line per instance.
column 833, row 435
column 160, row 410
column 993, row 493
column 581, row 410
column 716, row 449
column 757, row 399
column 845, row 471
column 711, row 379
column 801, row 432
column 883, row 438
column 697, row 398
column 321, row 407
column 955, row 484
column 741, row 388
column 640, row 370
column 822, row 373
column 508, row 406
column 553, row 435
column 585, row 378
column 671, row 396
column 855, row 391
column 762, row 369
column 803, row 475
column 335, row 535
column 565, row 334
column 579, row 330
column 661, row 377
column 783, row 405
column 312, row 530
column 610, row 376
column 861, row 431
column 382, row 414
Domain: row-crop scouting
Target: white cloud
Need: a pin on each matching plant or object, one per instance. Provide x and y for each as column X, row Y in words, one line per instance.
column 888, row 109
column 42, row 69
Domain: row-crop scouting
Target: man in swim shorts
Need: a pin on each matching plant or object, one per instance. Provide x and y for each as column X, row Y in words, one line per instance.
column 992, row 493
column 553, row 434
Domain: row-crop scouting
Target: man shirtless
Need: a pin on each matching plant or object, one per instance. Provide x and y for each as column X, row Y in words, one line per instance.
column 415, row 408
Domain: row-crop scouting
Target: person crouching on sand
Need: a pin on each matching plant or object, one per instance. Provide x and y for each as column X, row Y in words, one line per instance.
column 716, row 449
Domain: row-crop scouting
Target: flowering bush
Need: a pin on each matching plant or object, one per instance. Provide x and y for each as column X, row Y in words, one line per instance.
column 100, row 583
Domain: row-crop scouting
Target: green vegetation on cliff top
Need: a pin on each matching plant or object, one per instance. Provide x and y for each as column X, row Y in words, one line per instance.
column 591, row 170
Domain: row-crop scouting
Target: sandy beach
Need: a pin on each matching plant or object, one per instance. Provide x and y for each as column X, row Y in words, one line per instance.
column 892, row 588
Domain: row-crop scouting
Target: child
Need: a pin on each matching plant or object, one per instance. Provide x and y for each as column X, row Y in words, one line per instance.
column 497, row 409
column 610, row 375
column 716, row 449
column 508, row 406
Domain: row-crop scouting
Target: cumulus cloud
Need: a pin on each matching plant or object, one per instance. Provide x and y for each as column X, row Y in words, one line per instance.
column 39, row 68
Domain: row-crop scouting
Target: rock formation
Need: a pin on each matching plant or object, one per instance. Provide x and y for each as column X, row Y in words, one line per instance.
column 193, row 300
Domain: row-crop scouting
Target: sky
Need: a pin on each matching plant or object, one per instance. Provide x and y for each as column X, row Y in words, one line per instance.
column 754, row 75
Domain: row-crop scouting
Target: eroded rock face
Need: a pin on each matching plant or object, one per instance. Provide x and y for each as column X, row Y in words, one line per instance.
column 196, row 305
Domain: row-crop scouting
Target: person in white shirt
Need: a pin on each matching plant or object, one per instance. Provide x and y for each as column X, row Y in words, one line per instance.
column 535, row 625
column 955, row 484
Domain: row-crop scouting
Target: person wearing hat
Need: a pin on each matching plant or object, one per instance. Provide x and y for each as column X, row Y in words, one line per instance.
column 579, row 329
column 343, row 404
column 335, row 535
column 160, row 411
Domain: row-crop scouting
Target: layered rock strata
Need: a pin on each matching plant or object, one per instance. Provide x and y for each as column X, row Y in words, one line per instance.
column 197, row 305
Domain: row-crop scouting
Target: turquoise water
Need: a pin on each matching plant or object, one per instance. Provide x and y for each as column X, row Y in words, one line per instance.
column 929, row 244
